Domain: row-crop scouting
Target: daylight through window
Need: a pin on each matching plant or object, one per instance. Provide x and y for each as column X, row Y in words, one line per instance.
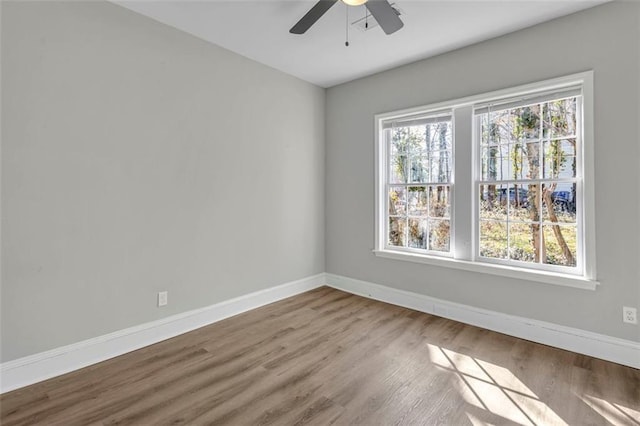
column 499, row 182
column 528, row 186
column 419, row 183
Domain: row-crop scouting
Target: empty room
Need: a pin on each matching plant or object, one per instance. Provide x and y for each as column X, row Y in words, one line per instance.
column 290, row 212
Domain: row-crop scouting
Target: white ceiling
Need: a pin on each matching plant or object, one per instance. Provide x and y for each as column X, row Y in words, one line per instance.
column 260, row 30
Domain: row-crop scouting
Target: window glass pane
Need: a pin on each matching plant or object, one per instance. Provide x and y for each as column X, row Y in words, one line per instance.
column 560, row 159
column 526, row 122
column 439, row 201
column 560, row 118
column 397, row 201
column 523, row 202
column 418, row 233
column 491, row 202
column 559, row 203
column 438, row 136
column 395, row 147
column 397, row 158
column 406, row 142
column 518, row 162
column 397, row 231
column 484, row 128
column 439, row 235
column 397, row 169
column 500, row 127
column 440, row 166
column 417, row 201
column 489, row 163
column 524, row 241
column 415, row 140
column 419, row 169
column 493, row 239
column 531, row 156
column 560, row 243
column 495, row 163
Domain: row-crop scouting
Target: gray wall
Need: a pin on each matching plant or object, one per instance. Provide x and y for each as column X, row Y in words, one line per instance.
column 605, row 39
column 136, row 158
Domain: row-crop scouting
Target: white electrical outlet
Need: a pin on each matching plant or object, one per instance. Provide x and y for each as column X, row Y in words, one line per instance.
column 163, row 298
column 629, row 315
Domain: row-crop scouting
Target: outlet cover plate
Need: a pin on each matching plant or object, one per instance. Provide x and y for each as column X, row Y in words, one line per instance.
column 629, row 315
column 163, row 298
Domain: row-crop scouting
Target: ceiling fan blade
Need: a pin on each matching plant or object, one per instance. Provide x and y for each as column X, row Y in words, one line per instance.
column 384, row 15
column 312, row 16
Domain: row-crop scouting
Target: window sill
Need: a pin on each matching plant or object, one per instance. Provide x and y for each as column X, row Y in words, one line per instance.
column 501, row 270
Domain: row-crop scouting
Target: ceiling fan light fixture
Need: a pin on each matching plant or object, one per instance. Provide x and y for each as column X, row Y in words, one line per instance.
column 354, row 2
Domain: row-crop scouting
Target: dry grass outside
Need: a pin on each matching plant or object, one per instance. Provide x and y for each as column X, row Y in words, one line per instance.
column 517, row 243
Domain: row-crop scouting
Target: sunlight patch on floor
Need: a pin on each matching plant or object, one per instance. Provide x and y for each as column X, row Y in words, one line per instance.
column 615, row 414
column 497, row 401
column 475, row 421
column 634, row 414
column 494, row 389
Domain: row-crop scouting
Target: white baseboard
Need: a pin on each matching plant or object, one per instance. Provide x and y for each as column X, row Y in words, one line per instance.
column 625, row 352
column 45, row 365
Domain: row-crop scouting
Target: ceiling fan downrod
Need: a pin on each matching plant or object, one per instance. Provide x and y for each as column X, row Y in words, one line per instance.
column 346, row 43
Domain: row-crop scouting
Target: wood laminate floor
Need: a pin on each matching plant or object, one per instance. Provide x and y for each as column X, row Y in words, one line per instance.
column 328, row 357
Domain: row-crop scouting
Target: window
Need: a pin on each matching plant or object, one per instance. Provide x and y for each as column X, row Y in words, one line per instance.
column 418, row 183
column 499, row 183
column 528, row 180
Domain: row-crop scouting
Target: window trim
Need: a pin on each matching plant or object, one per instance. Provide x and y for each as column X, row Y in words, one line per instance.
column 465, row 255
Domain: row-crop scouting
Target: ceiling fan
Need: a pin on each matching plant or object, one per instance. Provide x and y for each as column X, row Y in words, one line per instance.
column 381, row 10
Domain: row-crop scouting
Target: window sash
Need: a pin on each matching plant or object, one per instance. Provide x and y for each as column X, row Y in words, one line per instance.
column 421, row 119
column 511, row 103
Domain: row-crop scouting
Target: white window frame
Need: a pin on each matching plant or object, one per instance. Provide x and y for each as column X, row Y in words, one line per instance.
column 464, row 204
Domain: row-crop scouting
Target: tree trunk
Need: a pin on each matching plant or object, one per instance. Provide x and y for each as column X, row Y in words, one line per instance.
column 566, row 252
column 493, row 175
column 539, row 251
column 533, row 151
